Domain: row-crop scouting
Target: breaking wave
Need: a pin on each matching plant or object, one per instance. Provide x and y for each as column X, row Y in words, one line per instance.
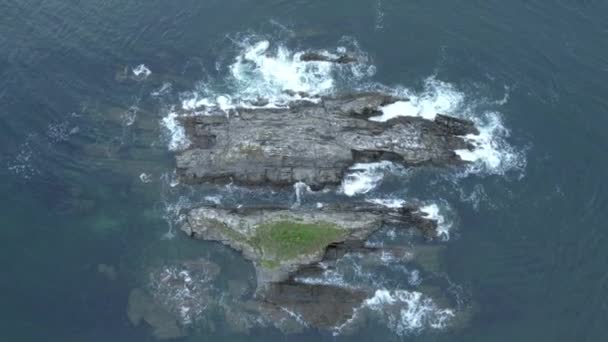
column 434, row 212
column 363, row 177
column 408, row 312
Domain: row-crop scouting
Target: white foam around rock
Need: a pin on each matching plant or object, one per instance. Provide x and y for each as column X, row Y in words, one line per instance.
column 141, row 71
column 437, row 97
column 432, row 212
column 177, row 133
column 407, row 312
column 363, row 177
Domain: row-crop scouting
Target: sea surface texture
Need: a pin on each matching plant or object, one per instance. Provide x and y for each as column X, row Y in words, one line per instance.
column 91, row 94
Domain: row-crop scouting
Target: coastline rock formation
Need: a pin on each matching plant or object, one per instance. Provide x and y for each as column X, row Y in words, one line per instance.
column 280, row 241
column 314, row 143
column 283, row 243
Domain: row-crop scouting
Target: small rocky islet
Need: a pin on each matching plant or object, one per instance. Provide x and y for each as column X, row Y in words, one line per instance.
column 312, row 140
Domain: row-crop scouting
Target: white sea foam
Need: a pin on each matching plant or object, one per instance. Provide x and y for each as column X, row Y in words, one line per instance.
column 182, row 292
column 59, row 132
column 173, row 215
column 265, row 74
column 433, row 212
column 145, row 177
column 298, row 318
column 141, row 72
column 436, row 97
column 270, row 75
column 194, row 100
column 408, row 312
column 300, row 188
column 363, row 177
column 177, row 134
column 260, row 73
column 491, row 153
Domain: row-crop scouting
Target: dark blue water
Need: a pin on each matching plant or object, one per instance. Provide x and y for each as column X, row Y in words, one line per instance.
column 529, row 247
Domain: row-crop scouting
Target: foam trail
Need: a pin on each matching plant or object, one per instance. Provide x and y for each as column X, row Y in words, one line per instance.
column 363, row 177
column 432, row 212
column 177, row 133
column 408, row 312
column 491, row 153
column 141, row 72
column 437, row 97
column 300, row 188
column 270, row 75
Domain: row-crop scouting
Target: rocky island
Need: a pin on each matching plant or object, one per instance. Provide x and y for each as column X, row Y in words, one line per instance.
column 314, row 141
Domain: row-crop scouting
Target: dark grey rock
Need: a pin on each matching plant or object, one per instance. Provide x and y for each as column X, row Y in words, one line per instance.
column 313, row 142
column 319, row 57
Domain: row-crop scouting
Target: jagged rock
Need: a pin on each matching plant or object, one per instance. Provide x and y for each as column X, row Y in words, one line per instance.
column 314, row 143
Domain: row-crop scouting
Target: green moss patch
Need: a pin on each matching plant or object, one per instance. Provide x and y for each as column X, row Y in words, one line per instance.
column 286, row 240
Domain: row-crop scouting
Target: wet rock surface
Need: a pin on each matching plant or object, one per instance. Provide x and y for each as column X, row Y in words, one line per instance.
column 313, row 143
column 280, row 241
column 285, row 244
column 320, row 57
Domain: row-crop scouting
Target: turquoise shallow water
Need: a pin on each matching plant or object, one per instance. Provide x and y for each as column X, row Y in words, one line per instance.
column 528, row 250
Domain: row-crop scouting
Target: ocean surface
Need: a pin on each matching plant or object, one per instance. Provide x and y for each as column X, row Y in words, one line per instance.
column 89, row 92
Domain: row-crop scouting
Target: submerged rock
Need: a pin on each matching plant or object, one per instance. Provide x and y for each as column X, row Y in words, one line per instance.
column 142, row 307
column 319, row 306
column 313, row 143
column 107, row 271
column 320, row 57
column 184, row 289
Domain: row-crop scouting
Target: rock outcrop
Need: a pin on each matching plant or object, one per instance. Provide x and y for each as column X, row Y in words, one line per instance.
column 283, row 243
column 280, row 241
column 314, row 143
column 320, row 57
